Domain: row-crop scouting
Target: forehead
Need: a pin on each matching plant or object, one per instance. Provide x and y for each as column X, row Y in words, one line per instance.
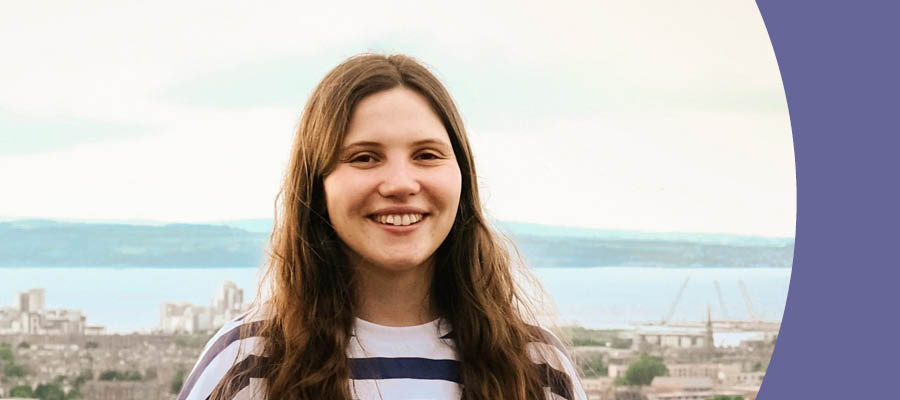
column 397, row 115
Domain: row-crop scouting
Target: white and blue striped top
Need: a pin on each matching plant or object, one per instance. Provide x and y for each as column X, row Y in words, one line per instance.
column 414, row 362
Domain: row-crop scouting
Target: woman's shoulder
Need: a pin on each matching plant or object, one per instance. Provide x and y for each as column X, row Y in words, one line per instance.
column 235, row 346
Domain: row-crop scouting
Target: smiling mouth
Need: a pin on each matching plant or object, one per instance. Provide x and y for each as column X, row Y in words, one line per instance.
column 398, row 219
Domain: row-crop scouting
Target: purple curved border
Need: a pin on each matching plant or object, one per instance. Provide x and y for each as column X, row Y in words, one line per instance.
column 839, row 64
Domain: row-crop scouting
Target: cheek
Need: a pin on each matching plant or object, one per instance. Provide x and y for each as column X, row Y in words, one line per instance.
column 344, row 196
column 451, row 187
column 335, row 197
column 328, row 187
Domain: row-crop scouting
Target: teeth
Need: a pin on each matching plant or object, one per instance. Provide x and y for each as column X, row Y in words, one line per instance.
column 399, row 219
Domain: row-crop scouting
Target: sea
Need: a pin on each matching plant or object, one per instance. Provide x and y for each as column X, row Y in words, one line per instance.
column 126, row 300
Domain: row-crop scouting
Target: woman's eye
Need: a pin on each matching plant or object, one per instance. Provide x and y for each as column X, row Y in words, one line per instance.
column 362, row 158
column 428, row 156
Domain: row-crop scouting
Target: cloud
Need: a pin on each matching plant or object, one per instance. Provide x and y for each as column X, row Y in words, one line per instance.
column 633, row 114
column 106, row 61
column 689, row 172
column 226, row 165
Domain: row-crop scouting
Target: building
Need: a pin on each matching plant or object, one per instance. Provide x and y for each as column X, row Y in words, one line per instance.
column 652, row 337
column 184, row 318
column 55, row 322
column 31, row 301
column 230, row 298
column 718, row 372
column 599, row 388
column 747, row 392
column 678, row 388
column 10, row 321
column 616, row 370
column 737, row 378
column 94, row 330
column 32, row 318
column 658, row 337
column 189, row 318
column 228, row 304
column 710, row 371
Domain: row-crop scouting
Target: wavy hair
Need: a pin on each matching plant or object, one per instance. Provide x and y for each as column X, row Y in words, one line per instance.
column 311, row 311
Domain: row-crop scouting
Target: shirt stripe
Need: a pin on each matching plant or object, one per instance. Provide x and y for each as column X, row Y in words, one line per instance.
column 558, row 381
column 214, row 349
column 252, row 366
column 224, row 357
column 404, row 368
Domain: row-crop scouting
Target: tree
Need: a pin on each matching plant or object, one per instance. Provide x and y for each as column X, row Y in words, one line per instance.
column 109, row 375
column 14, row 370
column 177, row 381
column 642, row 371
column 21, row 391
column 593, row 366
column 131, row 375
column 113, row 375
column 6, row 355
column 758, row 367
column 49, row 391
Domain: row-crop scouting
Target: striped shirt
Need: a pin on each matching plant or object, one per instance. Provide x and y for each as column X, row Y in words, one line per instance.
column 413, row 362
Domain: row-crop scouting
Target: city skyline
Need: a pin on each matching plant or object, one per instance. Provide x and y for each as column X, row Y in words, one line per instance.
column 91, row 363
column 30, row 316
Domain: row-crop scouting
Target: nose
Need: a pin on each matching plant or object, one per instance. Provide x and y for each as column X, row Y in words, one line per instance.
column 399, row 180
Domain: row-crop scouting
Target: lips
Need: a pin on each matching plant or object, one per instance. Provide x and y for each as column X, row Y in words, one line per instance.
column 398, row 216
column 399, row 219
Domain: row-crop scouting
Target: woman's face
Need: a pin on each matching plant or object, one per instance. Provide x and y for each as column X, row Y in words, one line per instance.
column 393, row 196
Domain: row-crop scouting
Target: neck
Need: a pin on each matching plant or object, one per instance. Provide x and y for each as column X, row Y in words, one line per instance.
column 394, row 298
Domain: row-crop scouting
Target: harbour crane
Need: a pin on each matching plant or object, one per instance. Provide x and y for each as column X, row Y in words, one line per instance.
column 721, row 300
column 675, row 303
column 747, row 300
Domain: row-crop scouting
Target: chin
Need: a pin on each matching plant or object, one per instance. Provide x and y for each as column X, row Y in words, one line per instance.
column 399, row 264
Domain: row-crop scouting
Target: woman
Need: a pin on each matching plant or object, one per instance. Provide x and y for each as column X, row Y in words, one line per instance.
column 386, row 280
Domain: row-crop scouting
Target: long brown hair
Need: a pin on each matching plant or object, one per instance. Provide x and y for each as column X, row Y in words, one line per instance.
column 311, row 311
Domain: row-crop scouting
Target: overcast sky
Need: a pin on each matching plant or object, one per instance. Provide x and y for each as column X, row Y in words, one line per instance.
column 659, row 116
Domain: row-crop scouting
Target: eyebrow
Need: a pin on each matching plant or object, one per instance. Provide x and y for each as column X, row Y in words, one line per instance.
column 377, row 144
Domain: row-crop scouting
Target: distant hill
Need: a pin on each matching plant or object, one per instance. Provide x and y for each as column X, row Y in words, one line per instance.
column 249, row 225
column 525, row 229
column 43, row 243
column 240, row 243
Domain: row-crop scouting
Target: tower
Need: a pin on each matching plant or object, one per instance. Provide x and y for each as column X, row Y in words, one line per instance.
column 710, row 344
